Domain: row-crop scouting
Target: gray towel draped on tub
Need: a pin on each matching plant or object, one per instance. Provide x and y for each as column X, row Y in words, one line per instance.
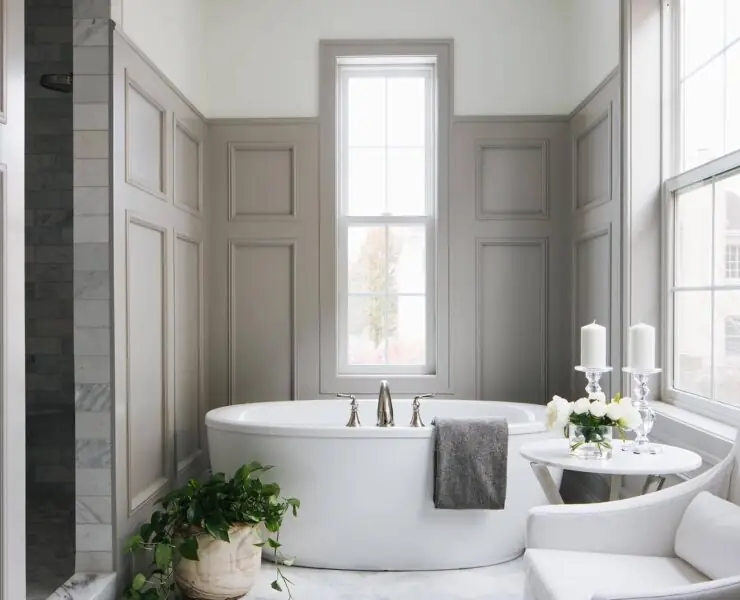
column 470, row 457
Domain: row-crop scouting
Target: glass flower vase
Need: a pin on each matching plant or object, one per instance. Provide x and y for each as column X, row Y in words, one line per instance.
column 590, row 442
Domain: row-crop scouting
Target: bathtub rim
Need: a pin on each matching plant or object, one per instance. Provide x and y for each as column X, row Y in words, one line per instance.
column 217, row 419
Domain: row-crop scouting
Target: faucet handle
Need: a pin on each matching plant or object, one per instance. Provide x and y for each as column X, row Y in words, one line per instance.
column 416, row 413
column 354, row 417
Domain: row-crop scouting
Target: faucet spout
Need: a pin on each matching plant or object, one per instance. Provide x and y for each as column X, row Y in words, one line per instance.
column 385, row 406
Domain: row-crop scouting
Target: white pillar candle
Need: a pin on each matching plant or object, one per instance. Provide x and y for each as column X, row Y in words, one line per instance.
column 641, row 347
column 593, row 345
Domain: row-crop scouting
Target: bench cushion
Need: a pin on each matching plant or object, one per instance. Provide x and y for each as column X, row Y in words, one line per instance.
column 708, row 536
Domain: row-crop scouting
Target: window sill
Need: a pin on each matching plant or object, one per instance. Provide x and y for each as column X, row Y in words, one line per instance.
column 709, row 438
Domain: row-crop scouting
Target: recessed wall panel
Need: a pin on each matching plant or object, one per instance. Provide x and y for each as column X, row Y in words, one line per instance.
column 512, row 180
column 188, row 350
column 187, row 169
column 592, row 287
column 512, row 320
column 261, row 182
column 147, row 390
column 593, row 163
column 261, row 323
column 145, row 136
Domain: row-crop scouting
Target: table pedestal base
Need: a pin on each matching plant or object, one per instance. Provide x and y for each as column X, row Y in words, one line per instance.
column 653, row 483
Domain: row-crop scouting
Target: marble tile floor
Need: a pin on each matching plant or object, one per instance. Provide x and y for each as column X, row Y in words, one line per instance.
column 500, row 582
column 50, row 539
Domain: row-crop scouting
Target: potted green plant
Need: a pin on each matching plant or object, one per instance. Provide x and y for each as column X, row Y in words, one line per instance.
column 206, row 540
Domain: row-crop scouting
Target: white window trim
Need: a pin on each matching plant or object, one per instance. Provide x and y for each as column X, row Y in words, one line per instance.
column 706, row 173
column 332, row 380
column 671, row 148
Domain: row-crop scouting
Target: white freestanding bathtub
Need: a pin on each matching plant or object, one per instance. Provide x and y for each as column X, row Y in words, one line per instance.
column 366, row 493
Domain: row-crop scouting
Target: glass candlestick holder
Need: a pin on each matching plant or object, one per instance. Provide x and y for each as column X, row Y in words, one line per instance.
column 640, row 391
column 593, row 376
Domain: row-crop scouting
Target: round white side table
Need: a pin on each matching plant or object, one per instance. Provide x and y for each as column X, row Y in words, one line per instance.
column 556, row 453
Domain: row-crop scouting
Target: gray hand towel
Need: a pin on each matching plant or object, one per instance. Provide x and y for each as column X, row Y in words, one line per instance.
column 470, row 457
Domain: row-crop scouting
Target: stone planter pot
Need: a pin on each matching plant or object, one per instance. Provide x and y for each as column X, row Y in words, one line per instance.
column 226, row 570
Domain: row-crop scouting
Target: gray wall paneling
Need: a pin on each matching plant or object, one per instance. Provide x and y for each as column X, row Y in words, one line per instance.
column 595, row 226
column 508, row 256
column 158, row 288
column 263, row 258
column 595, row 254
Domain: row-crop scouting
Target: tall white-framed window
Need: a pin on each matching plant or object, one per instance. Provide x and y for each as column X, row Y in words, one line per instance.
column 702, row 206
column 384, row 122
column 386, row 217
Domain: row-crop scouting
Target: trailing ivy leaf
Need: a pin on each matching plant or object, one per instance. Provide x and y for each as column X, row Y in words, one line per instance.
column 194, row 513
column 134, row 543
column 276, row 586
column 288, row 562
column 138, row 582
column 218, row 528
column 273, row 543
column 163, row 556
column 189, row 549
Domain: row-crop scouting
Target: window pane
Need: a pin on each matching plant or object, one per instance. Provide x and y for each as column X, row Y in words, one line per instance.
column 406, row 329
column 406, row 111
column 366, row 111
column 366, row 264
column 703, row 114
column 693, row 237
column 732, row 121
column 727, row 231
column 703, row 27
column 692, row 342
column 407, row 247
column 366, row 185
column 365, row 330
column 732, row 20
column 406, row 181
column 727, row 346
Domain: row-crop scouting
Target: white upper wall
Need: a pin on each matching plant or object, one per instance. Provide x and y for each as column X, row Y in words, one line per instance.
column 259, row 58
column 172, row 34
column 594, row 45
column 511, row 56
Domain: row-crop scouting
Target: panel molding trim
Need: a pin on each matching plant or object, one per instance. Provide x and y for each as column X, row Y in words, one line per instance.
column 608, row 117
column 584, row 238
column 233, row 246
column 153, row 489
column 235, row 214
column 543, row 244
column 179, row 125
column 543, row 210
column 3, row 62
column 185, row 463
column 131, row 179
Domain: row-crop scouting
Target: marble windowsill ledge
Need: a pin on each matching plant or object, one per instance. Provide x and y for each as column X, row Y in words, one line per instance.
column 87, row 586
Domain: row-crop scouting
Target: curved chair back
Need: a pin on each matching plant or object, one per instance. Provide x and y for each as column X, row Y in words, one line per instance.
column 734, row 495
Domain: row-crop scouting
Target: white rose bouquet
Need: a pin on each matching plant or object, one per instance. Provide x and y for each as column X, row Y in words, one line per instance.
column 591, row 417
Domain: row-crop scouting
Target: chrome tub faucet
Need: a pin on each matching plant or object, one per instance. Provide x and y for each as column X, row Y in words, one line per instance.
column 385, row 406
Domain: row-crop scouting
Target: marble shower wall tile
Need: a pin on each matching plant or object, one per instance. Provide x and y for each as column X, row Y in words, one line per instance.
column 93, row 482
column 93, row 397
column 93, row 510
column 92, row 53
column 92, row 454
column 91, row 32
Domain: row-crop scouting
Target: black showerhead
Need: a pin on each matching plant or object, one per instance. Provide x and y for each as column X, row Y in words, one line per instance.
column 57, row 82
